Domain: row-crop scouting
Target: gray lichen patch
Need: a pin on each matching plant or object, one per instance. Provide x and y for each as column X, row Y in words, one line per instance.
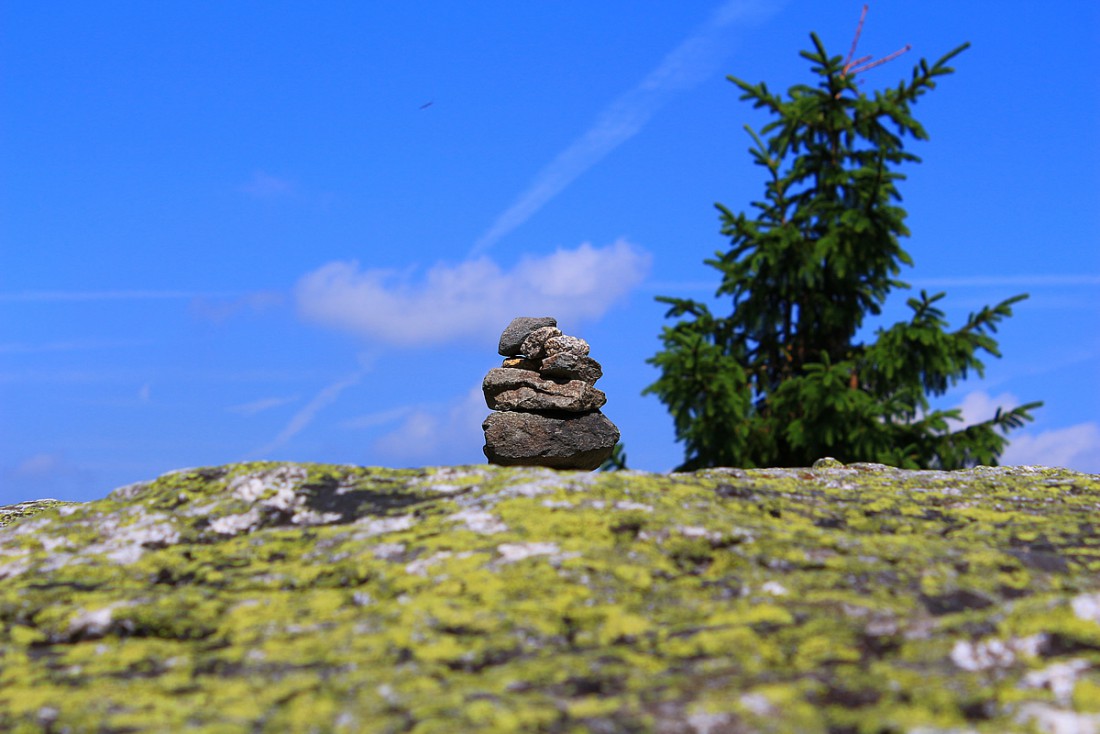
column 285, row 597
column 22, row 510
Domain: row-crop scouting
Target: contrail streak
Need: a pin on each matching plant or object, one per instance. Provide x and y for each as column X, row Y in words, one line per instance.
column 306, row 415
column 684, row 67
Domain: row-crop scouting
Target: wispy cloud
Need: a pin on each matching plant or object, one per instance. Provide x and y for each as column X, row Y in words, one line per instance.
column 219, row 310
column 378, row 418
column 119, row 375
column 39, row 465
column 963, row 281
column 259, row 406
column 445, row 434
column 75, row 345
column 685, row 66
column 1022, row 281
column 473, row 299
column 263, row 185
column 45, row 474
column 61, row 296
column 305, row 416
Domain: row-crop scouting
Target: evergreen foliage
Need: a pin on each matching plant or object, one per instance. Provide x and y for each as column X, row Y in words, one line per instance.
column 780, row 381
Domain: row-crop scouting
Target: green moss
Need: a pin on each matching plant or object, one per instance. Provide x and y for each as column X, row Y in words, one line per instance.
column 273, row 597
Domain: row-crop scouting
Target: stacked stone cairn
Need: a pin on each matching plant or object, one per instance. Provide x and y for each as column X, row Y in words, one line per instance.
column 548, row 410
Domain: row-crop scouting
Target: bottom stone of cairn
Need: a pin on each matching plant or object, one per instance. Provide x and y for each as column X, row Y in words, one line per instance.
column 570, row 441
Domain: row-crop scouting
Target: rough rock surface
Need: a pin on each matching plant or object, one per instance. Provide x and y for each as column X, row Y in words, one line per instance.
column 295, row 598
column 559, row 441
column 571, row 366
column 508, row 388
column 535, row 344
column 550, row 406
column 513, row 335
column 565, row 344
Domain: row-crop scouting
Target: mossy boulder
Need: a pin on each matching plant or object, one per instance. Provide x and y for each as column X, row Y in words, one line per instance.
column 316, row 598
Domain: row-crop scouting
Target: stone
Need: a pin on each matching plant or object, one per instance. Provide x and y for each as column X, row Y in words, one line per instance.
column 827, row 462
column 11, row 513
column 565, row 344
column 522, row 363
column 534, row 344
column 517, row 331
column 565, row 441
column 275, row 597
column 548, row 409
column 571, row 367
column 515, row 389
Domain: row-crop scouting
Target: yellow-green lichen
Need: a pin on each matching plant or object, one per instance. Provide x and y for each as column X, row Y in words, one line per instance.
column 271, row 597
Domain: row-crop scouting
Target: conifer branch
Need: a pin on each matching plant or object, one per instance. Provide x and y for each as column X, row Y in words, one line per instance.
column 779, row 381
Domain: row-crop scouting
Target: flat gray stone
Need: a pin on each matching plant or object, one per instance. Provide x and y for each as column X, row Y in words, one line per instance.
column 582, row 441
column 517, row 331
column 508, row 388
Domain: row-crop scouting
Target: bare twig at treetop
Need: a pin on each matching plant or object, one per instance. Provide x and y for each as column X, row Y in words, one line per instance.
column 853, row 66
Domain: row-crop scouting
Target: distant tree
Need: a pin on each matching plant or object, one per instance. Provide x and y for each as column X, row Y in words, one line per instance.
column 780, row 380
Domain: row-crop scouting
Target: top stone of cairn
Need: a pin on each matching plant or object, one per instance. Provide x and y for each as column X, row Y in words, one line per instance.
column 513, row 336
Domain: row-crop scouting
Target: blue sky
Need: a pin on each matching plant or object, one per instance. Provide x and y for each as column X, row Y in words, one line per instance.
column 239, row 230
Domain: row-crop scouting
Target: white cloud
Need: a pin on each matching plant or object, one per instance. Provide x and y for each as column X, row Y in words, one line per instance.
column 258, row 406
column 305, row 416
column 979, row 406
column 685, row 66
column 1076, row 447
column 449, row 434
column 475, row 298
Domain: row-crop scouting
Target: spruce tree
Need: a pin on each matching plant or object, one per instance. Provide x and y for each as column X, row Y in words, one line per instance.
column 780, row 381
